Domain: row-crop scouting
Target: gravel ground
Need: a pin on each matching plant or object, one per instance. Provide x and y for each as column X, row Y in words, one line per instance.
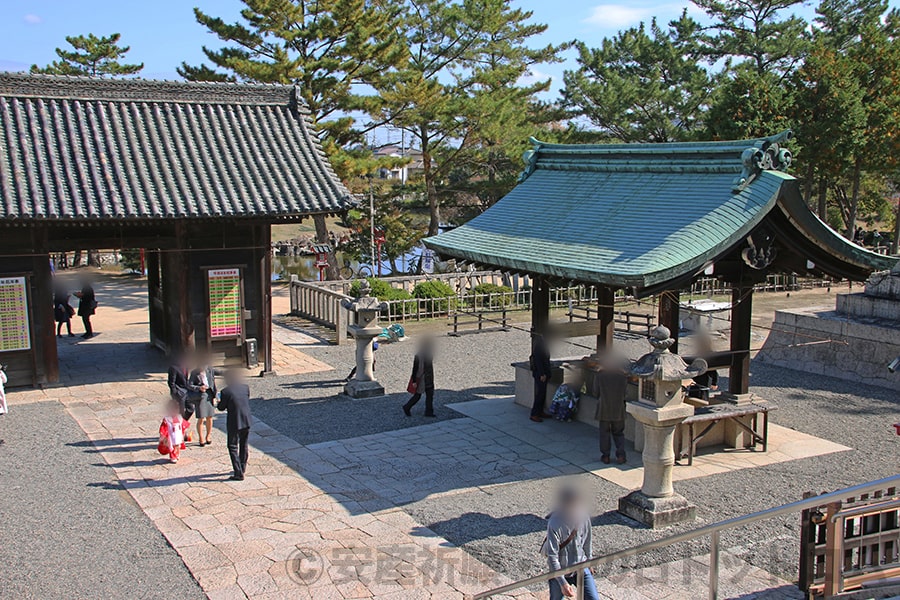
column 67, row 530
column 854, row 415
column 503, row 525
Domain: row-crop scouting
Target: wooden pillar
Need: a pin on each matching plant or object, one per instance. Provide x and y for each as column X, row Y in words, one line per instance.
column 154, row 287
column 668, row 315
column 42, row 318
column 741, row 324
column 265, row 312
column 606, row 312
column 540, row 304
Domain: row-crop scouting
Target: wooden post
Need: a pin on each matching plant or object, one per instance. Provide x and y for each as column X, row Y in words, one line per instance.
column 668, row 315
column 741, row 323
column 540, row 304
column 41, row 312
column 606, row 313
column 265, row 313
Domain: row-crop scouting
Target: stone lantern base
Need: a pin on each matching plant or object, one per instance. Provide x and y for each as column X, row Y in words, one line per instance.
column 657, row 513
column 363, row 389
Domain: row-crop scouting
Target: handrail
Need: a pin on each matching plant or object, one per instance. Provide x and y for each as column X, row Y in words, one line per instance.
column 712, row 530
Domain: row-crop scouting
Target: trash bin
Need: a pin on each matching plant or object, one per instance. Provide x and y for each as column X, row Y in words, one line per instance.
column 250, row 353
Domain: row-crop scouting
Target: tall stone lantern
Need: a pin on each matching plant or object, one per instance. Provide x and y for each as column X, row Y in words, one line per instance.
column 659, row 409
column 364, row 331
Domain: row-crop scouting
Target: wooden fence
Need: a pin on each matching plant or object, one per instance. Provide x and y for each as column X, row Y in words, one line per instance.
column 847, row 544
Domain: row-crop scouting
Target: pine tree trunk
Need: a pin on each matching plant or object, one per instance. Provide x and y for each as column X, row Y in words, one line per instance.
column 808, row 185
column 854, row 201
column 434, row 209
column 823, row 199
column 895, row 243
column 331, row 272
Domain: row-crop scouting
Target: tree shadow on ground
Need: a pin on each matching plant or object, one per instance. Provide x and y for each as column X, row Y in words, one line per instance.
column 473, row 526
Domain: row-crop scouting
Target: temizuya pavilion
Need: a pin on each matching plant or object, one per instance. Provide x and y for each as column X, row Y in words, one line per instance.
column 652, row 218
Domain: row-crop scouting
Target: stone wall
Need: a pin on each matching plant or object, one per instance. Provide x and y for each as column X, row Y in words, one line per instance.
column 862, row 350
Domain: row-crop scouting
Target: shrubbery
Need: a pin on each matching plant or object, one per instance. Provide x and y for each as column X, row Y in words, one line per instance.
column 383, row 291
column 438, row 292
column 495, row 296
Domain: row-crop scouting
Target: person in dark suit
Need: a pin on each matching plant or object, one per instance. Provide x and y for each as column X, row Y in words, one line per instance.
column 87, row 305
column 181, row 388
column 540, row 371
column 423, row 377
column 235, row 399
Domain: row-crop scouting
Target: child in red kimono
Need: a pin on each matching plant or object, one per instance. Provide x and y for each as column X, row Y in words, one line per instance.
column 171, row 432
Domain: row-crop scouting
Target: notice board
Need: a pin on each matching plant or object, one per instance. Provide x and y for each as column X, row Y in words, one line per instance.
column 225, row 310
column 14, row 330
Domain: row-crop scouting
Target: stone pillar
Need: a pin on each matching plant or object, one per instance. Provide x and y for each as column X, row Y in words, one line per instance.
column 364, row 331
column 659, row 409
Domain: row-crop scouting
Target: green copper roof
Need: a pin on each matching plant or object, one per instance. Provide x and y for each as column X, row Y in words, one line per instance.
column 626, row 215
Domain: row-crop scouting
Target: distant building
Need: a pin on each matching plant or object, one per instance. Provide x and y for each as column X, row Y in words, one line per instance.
column 403, row 173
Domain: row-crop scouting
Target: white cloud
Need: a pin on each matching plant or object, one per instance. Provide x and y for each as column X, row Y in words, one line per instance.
column 615, row 17
column 32, row 19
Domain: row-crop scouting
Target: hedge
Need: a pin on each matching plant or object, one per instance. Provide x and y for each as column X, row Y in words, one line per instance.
column 438, row 292
column 502, row 295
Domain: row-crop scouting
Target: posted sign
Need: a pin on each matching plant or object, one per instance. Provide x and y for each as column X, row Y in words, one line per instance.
column 225, row 312
column 14, row 330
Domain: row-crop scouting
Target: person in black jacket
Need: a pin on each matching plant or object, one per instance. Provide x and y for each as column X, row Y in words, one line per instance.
column 235, row 398
column 180, row 386
column 423, row 378
column 87, row 305
column 540, row 371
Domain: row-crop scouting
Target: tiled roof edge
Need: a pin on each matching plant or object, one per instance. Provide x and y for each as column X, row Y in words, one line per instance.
column 27, row 85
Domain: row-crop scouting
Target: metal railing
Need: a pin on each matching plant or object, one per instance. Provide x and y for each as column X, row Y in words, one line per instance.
column 713, row 531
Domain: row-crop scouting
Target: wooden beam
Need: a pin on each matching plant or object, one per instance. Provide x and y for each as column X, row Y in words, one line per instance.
column 265, row 313
column 606, row 298
column 668, row 315
column 540, row 304
column 741, row 324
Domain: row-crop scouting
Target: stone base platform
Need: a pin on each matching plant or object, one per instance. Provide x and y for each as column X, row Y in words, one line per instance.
column 657, row 513
column 363, row 389
column 826, row 342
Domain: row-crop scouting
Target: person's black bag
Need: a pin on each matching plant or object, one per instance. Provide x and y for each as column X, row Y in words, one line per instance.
column 188, row 411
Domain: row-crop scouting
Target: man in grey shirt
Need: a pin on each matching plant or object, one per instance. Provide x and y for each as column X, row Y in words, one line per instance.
column 569, row 542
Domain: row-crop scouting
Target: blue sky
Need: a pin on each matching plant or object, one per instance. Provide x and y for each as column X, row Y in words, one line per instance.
column 162, row 33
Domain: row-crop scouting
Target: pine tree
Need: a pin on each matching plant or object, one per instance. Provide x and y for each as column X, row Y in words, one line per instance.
column 761, row 43
column 327, row 48
column 640, row 86
column 757, row 32
column 453, row 93
column 849, row 109
column 91, row 56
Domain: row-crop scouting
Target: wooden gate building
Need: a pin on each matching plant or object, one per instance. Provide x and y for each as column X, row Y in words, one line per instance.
column 196, row 173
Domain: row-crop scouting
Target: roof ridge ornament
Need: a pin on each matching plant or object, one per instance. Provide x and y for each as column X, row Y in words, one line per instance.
column 530, row 158
column 766, row 154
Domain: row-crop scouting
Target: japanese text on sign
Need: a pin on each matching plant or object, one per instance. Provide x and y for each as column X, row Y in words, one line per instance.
column 14, row 331
column 225, row 303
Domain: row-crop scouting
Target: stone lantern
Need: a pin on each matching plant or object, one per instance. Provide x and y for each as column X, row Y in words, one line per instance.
column 659, row 409
column 364, row 331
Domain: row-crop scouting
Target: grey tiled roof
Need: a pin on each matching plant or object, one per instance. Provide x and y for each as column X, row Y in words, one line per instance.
column 75, row 148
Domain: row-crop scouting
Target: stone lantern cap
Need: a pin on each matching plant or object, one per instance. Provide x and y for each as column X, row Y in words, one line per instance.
column 661, row 364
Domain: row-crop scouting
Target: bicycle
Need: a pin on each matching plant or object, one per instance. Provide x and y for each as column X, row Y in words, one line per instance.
column 361, row 272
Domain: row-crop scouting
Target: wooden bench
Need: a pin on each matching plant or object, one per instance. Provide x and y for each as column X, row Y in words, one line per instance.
column 708, row 416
